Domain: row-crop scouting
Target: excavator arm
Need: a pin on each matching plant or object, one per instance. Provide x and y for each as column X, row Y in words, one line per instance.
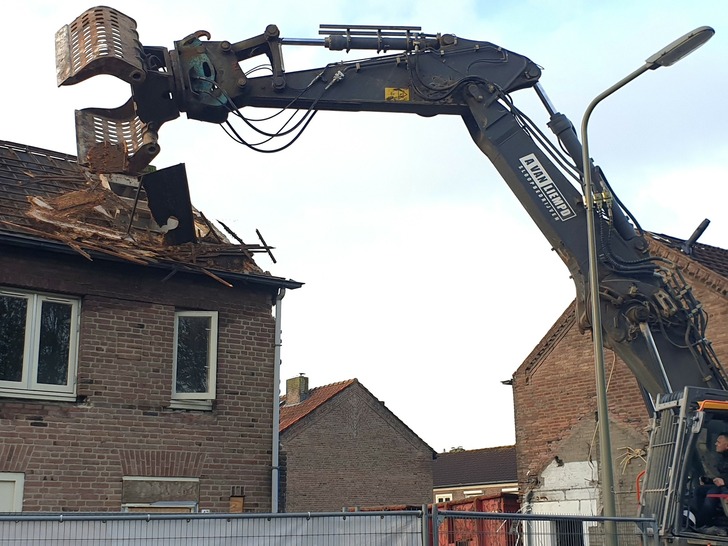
column 650, row 317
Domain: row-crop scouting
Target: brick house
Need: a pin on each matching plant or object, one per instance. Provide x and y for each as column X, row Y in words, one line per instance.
column 134, row 373
column 555, row 399
column 458, row 475
column 344, row 448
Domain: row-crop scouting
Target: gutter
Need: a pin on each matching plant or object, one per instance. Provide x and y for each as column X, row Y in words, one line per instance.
column 275, row 474
column 26, row 241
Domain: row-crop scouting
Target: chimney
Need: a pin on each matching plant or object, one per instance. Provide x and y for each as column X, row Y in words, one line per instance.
column 296, row 390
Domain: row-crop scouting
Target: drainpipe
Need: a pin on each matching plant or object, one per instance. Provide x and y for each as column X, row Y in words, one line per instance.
column 276, row 403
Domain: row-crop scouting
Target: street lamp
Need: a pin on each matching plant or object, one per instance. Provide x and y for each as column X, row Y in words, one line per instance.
column 665, row 57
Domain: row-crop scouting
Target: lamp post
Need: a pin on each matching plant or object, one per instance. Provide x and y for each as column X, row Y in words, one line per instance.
column 665, row 57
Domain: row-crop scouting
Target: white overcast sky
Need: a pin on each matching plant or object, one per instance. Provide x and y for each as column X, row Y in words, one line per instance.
column 425, row 279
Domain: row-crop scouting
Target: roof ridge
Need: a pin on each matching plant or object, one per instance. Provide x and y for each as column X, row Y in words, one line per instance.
column 672, row 239
column 494, row 448
column 689, row 265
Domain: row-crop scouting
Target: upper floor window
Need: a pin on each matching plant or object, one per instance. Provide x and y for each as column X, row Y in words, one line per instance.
column 195, row 356
column 38, row 345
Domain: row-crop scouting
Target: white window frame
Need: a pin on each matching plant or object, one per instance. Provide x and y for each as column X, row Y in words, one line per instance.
column 28, row 386
column 18, row 478
column 443, row 497
column 200, row 400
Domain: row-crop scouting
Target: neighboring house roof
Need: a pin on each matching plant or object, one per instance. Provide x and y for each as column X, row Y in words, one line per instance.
column 316, row 397
column 319, row 396
column 47, row 201
column 492, row 465
column 711, row 257
column 709, row 263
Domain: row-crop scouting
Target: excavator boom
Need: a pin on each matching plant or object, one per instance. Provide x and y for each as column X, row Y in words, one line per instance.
column 651, row 320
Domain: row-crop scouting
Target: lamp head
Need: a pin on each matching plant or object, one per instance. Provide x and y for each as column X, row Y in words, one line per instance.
column 680, row 48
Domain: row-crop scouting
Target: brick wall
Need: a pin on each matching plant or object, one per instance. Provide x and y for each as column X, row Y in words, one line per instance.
column 352, row 452
column 555, row 400
column 74, row 455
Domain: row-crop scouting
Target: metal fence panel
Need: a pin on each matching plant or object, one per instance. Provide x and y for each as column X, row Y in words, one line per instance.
column 345, row 529
column 457, row 528
column 390, row 528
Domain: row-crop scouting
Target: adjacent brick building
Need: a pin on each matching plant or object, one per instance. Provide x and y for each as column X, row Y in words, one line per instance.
column 344, row 449
column 134, row 373
column 555, row 399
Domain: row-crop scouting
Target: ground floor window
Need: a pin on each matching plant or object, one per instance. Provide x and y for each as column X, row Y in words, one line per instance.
column 152, row 494
column 161, row 508
column 11, row 491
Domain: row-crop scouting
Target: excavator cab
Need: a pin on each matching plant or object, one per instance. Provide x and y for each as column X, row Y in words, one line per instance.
column 707, row 463
column 682, row 454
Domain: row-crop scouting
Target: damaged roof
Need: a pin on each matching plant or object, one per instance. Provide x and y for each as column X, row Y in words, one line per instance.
column 49, row 201
column 712, row 257
column 705, row 262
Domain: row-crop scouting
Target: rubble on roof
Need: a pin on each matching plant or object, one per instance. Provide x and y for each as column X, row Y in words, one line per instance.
column 47, row 196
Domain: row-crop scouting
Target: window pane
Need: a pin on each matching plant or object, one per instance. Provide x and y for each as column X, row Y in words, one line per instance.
column 55, row 338
column 12, row 337
column 193, row 342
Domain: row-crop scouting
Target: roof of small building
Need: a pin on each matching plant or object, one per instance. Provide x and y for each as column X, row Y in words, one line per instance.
column 290, row 414
column 48, row 201
column 493, row 465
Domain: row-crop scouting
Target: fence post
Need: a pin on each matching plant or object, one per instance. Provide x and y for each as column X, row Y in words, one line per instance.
column 425, row 526
column 435, row 526
column 650, row 533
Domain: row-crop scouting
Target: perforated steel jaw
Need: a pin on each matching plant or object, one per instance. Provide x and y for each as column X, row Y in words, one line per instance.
column 103, row 40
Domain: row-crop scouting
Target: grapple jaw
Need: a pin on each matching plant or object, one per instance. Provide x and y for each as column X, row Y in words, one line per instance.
column 103, row 40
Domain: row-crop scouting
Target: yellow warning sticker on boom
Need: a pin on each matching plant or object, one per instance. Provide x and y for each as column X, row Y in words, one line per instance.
column 397, row 93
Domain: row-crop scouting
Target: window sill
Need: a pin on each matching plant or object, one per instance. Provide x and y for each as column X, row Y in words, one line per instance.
column 200, row 405
column 38, row 395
